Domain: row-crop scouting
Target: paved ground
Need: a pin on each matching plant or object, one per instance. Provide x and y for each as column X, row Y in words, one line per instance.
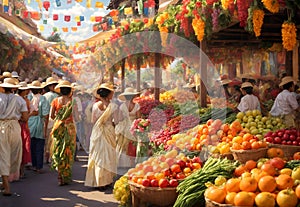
column 41, row 190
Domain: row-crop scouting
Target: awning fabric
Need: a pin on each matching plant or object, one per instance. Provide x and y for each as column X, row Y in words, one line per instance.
column 18, row 33
column 163, row 4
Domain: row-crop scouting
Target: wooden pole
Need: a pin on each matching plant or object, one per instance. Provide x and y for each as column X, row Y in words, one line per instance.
column 295, row 61
column 157, row 77
column 203, row 75
column 138, row 74
column 123, row 75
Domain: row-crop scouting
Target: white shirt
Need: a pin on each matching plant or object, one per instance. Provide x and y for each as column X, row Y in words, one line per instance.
column 248, row 102
column 9, row 111
column 35, row 101
column 96, row 112
column 284, row 103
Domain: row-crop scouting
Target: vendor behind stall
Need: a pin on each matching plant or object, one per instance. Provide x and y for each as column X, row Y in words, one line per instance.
column 286, row 103
column 248, row 101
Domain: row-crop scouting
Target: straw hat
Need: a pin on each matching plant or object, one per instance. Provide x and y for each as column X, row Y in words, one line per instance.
column 247, row 76
column 14, row 74
column 63, row 83
column 50, row 81
column 108, row 86
column 128, row 92
column 247, row 85
column 287, row 79
column 35, row 85
column 23, row 86
column 9, row 83
column 225, row 81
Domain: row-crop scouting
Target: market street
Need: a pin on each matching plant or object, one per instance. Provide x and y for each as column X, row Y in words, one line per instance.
column 41, row 190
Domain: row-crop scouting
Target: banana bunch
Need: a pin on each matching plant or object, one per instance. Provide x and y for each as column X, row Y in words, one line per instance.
column 122, row 191
column 167, row 97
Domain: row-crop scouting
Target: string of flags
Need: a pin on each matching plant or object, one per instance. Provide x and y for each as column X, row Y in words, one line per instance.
column 103, row 23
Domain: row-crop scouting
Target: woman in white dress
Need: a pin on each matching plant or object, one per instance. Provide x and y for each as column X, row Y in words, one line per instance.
column 128, row 112
column 102, row 163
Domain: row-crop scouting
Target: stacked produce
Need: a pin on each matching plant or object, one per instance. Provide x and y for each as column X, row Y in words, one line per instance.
column 284, row 137
column 257, row 124
column 147, row 103
column 268, row 182
column 121, row 191
column 164, row 170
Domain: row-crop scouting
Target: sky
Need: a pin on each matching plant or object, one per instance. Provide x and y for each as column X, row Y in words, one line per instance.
column 74, row 9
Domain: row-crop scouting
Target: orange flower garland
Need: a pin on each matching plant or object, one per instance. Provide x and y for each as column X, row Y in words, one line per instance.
column 225, row 4
column 258, row 20
column 289, row 35
column 198, row 26
column 271, row 5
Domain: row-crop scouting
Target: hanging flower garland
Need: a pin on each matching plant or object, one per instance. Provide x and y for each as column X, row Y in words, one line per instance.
column 289, row 35
column 199, row 27
column 271, row 5
column 258, row 20
column 226, row 3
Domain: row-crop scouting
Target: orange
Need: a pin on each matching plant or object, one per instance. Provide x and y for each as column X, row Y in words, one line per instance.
column 246, row 145
column 239, row 170
column 255, row 145
column 250, row 164
column 247, row 137
column 268, row 168
column 297, row 191
column 215, row 194
column 229, row 199
column 267, row 184
column 238, row 139
column 243, row 199
column 233, row 185
column 284, row 181
column 248, row 184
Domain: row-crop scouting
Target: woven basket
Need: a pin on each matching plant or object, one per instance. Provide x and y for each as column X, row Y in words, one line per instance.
column 153, row 195
column 229, row 155
column 209, row 203
column 245, row 155
column 288, row 150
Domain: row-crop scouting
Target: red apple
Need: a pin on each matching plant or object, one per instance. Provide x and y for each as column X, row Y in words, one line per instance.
column 296, row 156
column 173, row 183
column 295, row 143
column 181, row 163
column 269, row 139
column 277, row 140
column 196, row 160
column 277, row 162
column 292, row 137
column 166, row 172
column 280, row 134
column 163, row 183
column 146, row 182
column 180, row 176
column 154, row 183
column 175, row 168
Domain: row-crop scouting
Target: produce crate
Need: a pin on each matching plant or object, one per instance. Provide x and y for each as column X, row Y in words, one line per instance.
column 209, row 203
column 288, row 150
column 153, row 195
column 245, row 155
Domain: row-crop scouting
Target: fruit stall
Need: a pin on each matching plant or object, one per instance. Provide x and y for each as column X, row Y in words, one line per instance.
column 220, row 158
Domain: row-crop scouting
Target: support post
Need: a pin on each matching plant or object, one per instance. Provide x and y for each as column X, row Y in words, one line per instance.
column 203, row 75
column 123, row 75
column 138, row 73
column 157, row 76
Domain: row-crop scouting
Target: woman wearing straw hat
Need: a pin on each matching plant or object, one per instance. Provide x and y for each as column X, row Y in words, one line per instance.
column 12, row 109
column 63, row 133
column 285, row 104
column 23, row 91
column 50, row 95
column 128, row 112
column 102, row 163
column 248, row 101
column 38, row 125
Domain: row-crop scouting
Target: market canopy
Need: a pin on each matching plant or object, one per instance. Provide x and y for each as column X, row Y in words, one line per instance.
column 18, row 33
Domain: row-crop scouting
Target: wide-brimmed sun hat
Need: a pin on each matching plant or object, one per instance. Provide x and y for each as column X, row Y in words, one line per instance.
column 287, row 79
column 9, row 83
column 128, row 92
column 247, row 85
column 62, row 84
column 6, row 74
column 225, row 81
column 108, row 86
column 50, row 81
column 23, row 86
column 35, row 85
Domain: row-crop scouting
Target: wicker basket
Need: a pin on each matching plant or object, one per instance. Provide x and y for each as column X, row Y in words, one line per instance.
column 154, row 195
column 209, row 203
column 229, row 155
column 288, row 150
column 245, row 155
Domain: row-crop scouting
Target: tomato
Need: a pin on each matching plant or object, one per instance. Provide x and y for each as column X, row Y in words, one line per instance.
column 175, row 168
column 287, row 198
column 163, row 183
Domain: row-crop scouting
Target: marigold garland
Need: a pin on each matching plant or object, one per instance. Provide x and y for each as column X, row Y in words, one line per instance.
column 289, row 35
column 258, row 20
column 225, row 4
column 271, row 5
column 199, row 27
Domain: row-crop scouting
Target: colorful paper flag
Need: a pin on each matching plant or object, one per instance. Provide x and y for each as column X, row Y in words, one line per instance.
column 69, row 1
column 77, row 19
column 18, row 12
column 42, row 28
column 81, row 18
column 25, row 14
column 5, row 2
column 5, row 8
column 55, row 17
column 128, row 11
column 78, row 23
column 104, row 26
column 46, row 5
column 58, row 3
column 88, row 3
column 45, row 21
column 99, row 5
column 109, row 21
column 74, row 29
column 67, row 18
column 65, row 29
column 92, row 19
column 95, row 28
column 35, row 15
